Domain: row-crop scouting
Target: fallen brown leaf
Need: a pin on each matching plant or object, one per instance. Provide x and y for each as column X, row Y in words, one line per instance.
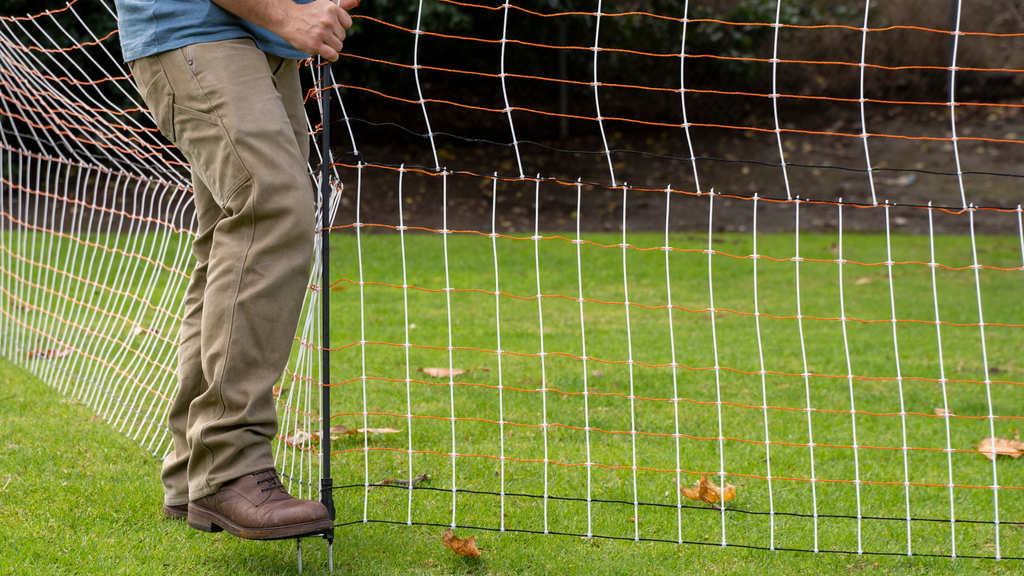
column 48, row 353
column 862, row 281
column 338, row 287
column 465, row 547
column 301, row 437
column 1012, row 448
column 707, row 491
column 278, row 391
column 297, row 437
column 139, row 330
column 942, row 411
column 442, row 372
column 403, row 481
column 595, row 373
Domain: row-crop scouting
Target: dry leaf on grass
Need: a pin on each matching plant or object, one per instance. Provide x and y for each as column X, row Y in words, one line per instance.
column 1012, row 448
column 338, row 287
column 300, row 437
column 862, row 281
column 343, row 430
column 939, row 411
column 442, row 372
column 465, row 547
column 139, row 330
column 48, row 353
column 707, row 491
column 402, row 481
column 22, row 306
column 278, row 391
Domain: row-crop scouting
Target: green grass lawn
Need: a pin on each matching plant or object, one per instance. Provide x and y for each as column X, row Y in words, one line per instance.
column 480, row 405
column 76, row 497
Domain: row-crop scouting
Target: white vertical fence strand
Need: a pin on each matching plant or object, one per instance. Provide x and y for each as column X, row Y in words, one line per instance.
column 314, row 372
column 863, row 118
column 1020, row 231
column 498, row 351
column 597, row 99
column 543, row 355
column 583, row 343
column 419, row 89
column 675, row 364
column 451, row 359
column 942, row 381
column 504, row 90
column 5, row 264
column 362, row 343
column 682, row 94
column 348, row 122
column 988, row 384
column 899, row 375
column 806, row 374
column 629, row 348
column 775, row 96
column 952, row 106
column 407, row 345
column 764, row 386
column 850, row 380
column 714, row 346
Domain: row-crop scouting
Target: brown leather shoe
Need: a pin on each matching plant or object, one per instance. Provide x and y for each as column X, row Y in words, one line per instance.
column 257, row 507
column 179, row 512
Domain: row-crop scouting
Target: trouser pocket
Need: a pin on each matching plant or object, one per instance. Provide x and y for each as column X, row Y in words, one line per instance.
column 156, row 91
column 188, row 118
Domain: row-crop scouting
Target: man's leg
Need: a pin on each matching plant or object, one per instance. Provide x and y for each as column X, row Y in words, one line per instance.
column 229, row 119
column 191, row 381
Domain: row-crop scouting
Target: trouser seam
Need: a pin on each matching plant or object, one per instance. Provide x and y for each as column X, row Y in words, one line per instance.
column 231, row 328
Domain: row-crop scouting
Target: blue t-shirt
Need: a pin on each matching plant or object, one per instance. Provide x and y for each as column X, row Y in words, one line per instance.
column 149, row 27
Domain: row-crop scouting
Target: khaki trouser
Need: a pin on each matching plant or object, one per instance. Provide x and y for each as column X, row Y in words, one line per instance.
column 236, row 113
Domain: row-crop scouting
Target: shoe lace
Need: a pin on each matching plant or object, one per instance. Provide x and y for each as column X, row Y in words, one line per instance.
column 272, row 480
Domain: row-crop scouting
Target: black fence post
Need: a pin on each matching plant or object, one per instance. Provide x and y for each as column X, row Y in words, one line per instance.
column 326, row 482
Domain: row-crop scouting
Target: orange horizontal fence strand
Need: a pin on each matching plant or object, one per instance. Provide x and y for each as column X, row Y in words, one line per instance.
column 857, row 64
column 441, row 383
column 680, row 365
column 680, row 124
column 681, row 20
column 40, row 14
column 674, row 306
column 442, row 173
column 679, row 90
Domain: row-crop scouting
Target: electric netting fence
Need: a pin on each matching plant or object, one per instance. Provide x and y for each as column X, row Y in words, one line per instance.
column 661, row 271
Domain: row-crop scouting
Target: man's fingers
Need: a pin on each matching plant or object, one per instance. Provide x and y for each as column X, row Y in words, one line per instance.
column 348, row 4
column 328, row 53
column 345, row 20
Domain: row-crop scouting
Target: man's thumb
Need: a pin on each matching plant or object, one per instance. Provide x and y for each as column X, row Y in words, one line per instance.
column 348, row 4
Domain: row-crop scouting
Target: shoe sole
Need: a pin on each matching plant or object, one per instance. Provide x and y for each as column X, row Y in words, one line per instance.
column 175, row 513
column 206, row 520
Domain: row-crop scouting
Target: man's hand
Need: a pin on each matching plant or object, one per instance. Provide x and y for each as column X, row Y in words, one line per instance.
column 316, row 28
